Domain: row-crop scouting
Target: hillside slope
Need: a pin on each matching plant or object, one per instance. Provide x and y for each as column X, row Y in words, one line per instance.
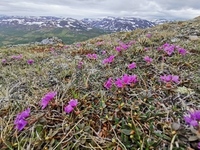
column 120, row 91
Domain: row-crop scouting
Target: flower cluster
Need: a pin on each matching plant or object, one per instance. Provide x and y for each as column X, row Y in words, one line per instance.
column 20, row 121
column 3, row 61
column 148, row 59
column 170, row 78
column 193, row 118
column 30, row 61
column 122, row 46
column 170, row 49
column 109, row 59
column 47, row 98
column 17, row 57
column 71, row 104
column 92, row 56
column 132, row 65
column 108, row 83
column 125, row 80
column 80, row 64
column 148, row 35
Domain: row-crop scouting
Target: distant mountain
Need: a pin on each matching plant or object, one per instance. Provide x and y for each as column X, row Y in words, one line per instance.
column 44, row 22
column 160, row 21
column 23, row 29
column 116, row 24
column 111, row 24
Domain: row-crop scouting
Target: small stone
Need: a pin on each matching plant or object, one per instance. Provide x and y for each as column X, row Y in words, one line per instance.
column 193, row 37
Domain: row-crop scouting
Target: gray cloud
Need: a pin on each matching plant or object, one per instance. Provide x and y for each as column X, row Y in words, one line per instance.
column 147, row 9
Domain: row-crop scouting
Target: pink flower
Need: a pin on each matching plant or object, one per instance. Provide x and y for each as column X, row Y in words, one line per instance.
column 119, row 83
column 68, row 109
column 73, row 102
column 132, row 65
column 193, row 118
column 3, row 61
column 92, row 56
column 170, row 78
column 175, row 79
column 109, row 59
column 103, row 52
column 47, row 98
column 148, row 35
column 80, row 64
column 118, row 48
column 133, row 79
column 125, row 79
column 17, row 57
column 108, row 83
column 182, row 51
column 20, row 121
column 20, row 124
column 30, row 61
column 148, row 59
column 169, row 49
column 124, row 46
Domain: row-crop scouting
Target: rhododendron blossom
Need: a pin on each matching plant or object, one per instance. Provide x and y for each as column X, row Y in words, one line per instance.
column 125, row 80
column 71, row 104
column 20, row 121
column 193, row 118
column 108, row 60
column 170, row 78
column 30, row 61
column 108, row 83
column 148, row 59
column 92, row 56
column 47, row 98
column 132, row 65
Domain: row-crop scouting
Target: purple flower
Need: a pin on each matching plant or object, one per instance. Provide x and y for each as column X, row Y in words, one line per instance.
column 124, row 46
column 108, row 60
column 92, row 56
column 30, row 61
column 148, row 35
column 20, row 121
column 118, row 48
column 182, row 51
column 80, row 64
column 193, row 118
column 108, row 83
column 198, row 145
column 103, row 52
column 133, row 79
column 170, row 78
column 169, row 49
column 20, row 124
column 17, row 56
column 175, row 79
column 68, row 109
column 132, row 65
column 3, row 61
column 73, row 102
column 148, row 59
column 119, row 83
column 47, row 98
column 126, row 79
column 23, row 115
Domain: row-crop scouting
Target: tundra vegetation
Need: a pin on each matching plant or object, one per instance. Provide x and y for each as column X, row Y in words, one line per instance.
column 127, row 90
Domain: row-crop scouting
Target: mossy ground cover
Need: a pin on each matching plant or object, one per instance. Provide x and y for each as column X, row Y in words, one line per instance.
column 145, row 114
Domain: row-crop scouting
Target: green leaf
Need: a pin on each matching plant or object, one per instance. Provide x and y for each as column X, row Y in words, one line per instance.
column 126, row 131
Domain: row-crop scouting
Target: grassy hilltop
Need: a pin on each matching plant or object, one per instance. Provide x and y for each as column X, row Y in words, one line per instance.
column 134, row 91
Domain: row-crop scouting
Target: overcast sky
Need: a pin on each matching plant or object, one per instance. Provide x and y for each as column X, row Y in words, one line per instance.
column 146, row 9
